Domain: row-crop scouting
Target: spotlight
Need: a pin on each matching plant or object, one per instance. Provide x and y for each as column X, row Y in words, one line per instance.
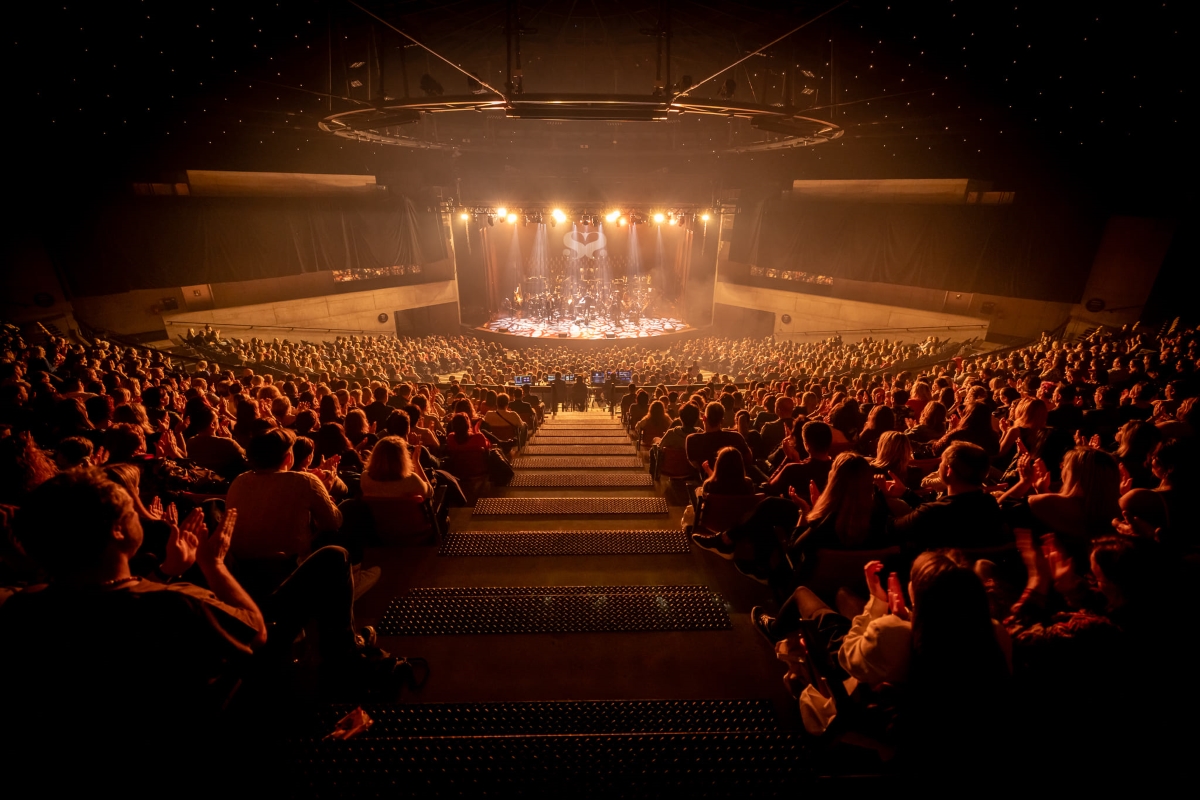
column 501, row 212
column 704, row 216
column 612, row 216
column 511, row 219
column 621, row 221
column 553, row 222
column 464, row 216
column 659, row 218
column 491, row 221
column 558, row 215
column 671, row 218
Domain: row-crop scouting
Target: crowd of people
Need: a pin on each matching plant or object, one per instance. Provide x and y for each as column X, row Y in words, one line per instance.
column 1019, row 522
column 471, row 360
column 1034, row 511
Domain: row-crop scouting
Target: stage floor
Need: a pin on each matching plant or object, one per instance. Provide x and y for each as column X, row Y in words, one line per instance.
column 596, row 329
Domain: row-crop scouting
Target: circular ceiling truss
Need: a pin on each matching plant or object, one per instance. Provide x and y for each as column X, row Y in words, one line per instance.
column 392, row 123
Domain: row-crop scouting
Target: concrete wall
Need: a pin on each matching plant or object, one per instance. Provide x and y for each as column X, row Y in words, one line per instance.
column 355, row 311
column 814, row 317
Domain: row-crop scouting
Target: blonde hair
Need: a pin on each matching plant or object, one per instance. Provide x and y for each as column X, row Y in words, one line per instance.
column 389, row 460
column 922, row 391
column 893, row 452
column 848, row 497
column 1031, row 413
column 1095, row 476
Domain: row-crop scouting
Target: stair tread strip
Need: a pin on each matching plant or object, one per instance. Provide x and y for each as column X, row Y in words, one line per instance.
column 554, row 609
column 569, row 506
column 553, row 543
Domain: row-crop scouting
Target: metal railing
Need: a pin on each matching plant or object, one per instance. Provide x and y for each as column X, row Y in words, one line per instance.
column 288, row 328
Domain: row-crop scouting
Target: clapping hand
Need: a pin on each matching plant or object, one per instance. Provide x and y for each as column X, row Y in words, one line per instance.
column 213, row 549
column 1126, row 479
column 799, row 501
column 155, row 509
column 99, row 458
column 183, row 542
column 871, row 570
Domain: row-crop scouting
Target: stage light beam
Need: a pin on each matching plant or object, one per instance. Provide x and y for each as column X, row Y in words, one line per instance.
column 612, row 216
column 659, row 218
column 502, row 212
column 704, row 217
column 558, row 215
column 511, row 219
column 621, row 221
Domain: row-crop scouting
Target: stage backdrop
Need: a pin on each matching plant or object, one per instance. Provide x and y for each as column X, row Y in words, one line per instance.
column 149, row 243
column 1019, row 250
column 514, row 253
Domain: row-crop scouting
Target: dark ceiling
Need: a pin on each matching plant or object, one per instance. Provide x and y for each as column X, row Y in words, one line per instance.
column 1027, row 95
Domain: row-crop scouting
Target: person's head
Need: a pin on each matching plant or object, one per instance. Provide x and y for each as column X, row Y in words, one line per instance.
column 306, row 421
column 1135, row 442
column 1174, row 462
column 657, row 414
column 303, row 450
column 934, row 416
column 356, row 424
column 784, row 407
column 129, row 478
column 881, row 418
column 272, row 450
column 23, row 467
column 714, row 415
column 952, row 631
column 1031, row 412
column 460, row 427
column 741, row 422
column 380, row 394
column 729, row 470
column 964, row 466
column 72, row 452
column 79, row 524
column 817, row 438
column 689, row 415
column 893, row 452
column 390, row 460
column 124, row 442
column 1094, row 476
column 847, row 498
column 502, row 402
column 922, row 391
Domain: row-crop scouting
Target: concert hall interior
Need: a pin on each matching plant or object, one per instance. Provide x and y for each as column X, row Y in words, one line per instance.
column 598, row 398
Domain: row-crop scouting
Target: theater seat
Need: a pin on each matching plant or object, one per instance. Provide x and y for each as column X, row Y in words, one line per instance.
column 717, row 513
column 403, row 520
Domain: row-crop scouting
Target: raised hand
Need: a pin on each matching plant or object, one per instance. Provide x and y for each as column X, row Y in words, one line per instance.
column 155, row 509
column 1041, row 476
column 799, row 502
column 99, row 458
column 871, row 571
column 1094, row 442
column 814, row 492
column 1126, row 479
column 213, row 549
column 182, row 544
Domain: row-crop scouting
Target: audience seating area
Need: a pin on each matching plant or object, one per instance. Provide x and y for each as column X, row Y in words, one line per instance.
column 770, row 565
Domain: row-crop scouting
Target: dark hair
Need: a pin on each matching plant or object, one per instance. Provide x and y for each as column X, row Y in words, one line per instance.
column 72, row 451
column 816, row 435
column 124, row 441
column 714, row 413
column 23, row 467
column 66, row 523
column 460, row 426
column 969, row 462
column 269, row 450
column 302, row 448
column 331, row 440
column 380, row 393
column 689, row 415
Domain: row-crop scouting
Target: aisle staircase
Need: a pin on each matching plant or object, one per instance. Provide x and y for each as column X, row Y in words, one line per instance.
column 577, row 642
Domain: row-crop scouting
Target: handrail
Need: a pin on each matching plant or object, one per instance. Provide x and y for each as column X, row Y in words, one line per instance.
column 982, row 324
column 224, row 325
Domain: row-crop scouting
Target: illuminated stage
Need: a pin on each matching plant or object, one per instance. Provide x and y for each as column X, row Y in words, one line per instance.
column 600, row 328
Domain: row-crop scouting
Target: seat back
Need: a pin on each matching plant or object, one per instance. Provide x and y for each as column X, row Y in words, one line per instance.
column 467, row 464
column 527, row 418
column 401, row 520
column 674, row 464
column 503, row 431
column 828, row 570
column 720, row 512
